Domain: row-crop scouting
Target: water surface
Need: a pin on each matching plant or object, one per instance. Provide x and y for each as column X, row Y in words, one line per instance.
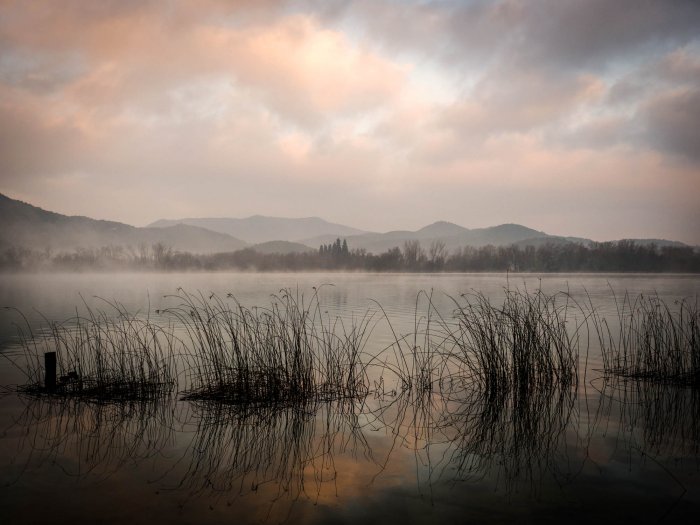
column 605, row 451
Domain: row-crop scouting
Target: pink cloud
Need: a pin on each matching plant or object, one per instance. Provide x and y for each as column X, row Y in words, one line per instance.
column 242, row 108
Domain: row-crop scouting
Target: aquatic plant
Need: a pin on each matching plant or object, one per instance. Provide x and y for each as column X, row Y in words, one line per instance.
column 529, row 341
column 653, row 340
column 104, row 354
column 492, row 388
column 285, row 353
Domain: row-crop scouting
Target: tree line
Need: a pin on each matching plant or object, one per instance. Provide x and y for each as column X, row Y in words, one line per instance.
column 621, row 256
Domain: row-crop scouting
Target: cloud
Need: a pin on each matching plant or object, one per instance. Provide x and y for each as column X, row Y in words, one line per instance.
column 559, row 34
column 576, row 34
column 134, row 51
column 672, row 120
column 374, row 113
column 305, row 72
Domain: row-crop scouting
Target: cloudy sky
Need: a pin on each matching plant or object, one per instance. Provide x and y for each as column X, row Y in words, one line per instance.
column 573, row 117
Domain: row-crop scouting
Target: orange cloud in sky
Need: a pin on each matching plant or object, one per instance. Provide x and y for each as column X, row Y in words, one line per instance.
column 236, row 108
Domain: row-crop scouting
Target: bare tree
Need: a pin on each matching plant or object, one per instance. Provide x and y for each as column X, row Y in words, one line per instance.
column 438, row 254
column 413, row 254
column 161, row 254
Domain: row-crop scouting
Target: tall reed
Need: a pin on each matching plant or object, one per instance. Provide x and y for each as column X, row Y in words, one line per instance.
column 104, row 354
column 653, row 340
column 529, row 341
column 287, row 352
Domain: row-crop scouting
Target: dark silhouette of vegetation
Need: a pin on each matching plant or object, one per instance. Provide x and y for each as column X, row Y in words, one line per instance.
column 621, row 256
column 526, row 343
column 286, row 353
column 653, row 340
column 104, row 355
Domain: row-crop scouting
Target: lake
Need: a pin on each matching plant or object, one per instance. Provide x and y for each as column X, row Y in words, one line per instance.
column 601, row 450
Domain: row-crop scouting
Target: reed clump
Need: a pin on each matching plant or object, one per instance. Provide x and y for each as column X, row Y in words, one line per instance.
column 289, row 352
column 654, row 340
column 494, row 385
column 104, row 355
column 530, row 341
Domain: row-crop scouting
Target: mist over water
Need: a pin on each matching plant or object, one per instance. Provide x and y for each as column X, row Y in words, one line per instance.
column 604, row 448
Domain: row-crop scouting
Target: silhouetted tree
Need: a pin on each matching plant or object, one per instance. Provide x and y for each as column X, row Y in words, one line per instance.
column 413, row 255
column 437, row 254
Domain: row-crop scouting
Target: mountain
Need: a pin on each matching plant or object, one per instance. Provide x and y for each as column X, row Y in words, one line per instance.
column 259, row 229
column 441, row 229
column 453, row 235
column 24, row 225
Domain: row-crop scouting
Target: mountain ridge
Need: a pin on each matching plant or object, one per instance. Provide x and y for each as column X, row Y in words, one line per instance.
column 29, row 226
column 452, row 235
column 258, row 229
column 25, row 225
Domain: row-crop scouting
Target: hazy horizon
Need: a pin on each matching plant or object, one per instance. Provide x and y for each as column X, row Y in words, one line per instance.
column 573, row 118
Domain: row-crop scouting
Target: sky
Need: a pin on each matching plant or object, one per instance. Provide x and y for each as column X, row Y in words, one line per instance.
column 572, row 117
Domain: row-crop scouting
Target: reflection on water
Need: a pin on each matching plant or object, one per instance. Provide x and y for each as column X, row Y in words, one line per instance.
column 87, row 439
column 660, row 419
column 515, row 438
column 604, row 449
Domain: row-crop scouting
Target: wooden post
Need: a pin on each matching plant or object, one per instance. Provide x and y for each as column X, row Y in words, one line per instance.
column 50, row 371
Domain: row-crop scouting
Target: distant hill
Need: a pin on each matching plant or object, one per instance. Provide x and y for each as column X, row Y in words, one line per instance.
column 259, row 229
column 441, row 229
column 550, row 240
column 281, row 247
column 453, row 235
column 24, row 225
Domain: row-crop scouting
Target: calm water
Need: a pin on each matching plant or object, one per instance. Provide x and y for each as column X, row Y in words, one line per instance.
column 606, row 452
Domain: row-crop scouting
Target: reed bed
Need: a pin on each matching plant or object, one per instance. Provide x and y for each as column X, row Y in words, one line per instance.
column 530, row 341
column 491, row 388
column 654, row 341
column 104, row 355
column 289, row 352
column 292, row 351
